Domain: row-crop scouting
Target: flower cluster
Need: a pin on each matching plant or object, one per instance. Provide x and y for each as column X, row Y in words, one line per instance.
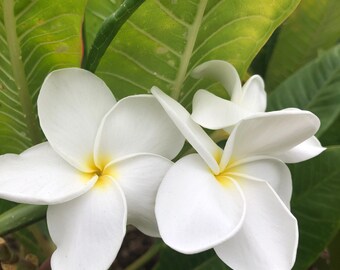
column 108, row 164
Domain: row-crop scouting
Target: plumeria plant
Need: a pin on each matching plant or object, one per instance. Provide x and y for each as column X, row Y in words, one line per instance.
column 169, row 134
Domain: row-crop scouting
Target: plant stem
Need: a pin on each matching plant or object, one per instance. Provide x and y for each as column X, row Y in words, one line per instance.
column 145, row 257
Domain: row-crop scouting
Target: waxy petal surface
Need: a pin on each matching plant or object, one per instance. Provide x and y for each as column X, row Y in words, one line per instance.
column 195, row 135
column 88, row 231
column 269, row 134
column 254, row 97
column 220, row 71
column 139, row 177
column 71, row 105
column 137, row 124
column 304, row 151
column 194, row 211
column 40, row 176
column 270, row 170
column 213, row 112
column 269, row 235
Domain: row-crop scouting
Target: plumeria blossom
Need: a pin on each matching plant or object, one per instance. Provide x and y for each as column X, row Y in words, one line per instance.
column 244, row 101
column 234, row 200
column 99, row 170
column 213, row 112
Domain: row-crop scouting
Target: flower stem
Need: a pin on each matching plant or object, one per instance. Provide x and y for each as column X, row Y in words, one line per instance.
column 146, row 257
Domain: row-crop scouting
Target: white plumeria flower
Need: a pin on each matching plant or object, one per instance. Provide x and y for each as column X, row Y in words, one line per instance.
column 234, row 200
column 99, row 170
column 244, row 101
column 213, row 112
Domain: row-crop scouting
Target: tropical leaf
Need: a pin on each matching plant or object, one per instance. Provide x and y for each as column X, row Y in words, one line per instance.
column 36, row 37
column 315, row 203
column 312, row 27
column 164, row 40
column 315, row 87
column 170, row 259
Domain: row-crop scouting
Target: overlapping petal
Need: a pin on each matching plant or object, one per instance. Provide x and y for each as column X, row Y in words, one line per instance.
column 69, row 113
column 137, row 124
column 269, row 235
column 213, row 112
column 305, row 150
column 254, row 97
column 88, row 230
column 267, row 169
column 194, row 211
column 270, row 134
column 139, row 177
column 40, row 176
column 195, row 135
column 220, row 71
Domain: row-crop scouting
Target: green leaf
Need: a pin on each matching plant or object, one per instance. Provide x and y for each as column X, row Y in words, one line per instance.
column 312, row 27
column 170, row 259
column 315, row 203
column 109, row 30
column 20, row 216
column 164, row 40
column 331, row 136
column 36, row 37
column 315, row 87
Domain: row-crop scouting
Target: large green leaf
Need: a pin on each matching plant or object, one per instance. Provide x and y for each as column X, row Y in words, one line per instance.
column 313, row 26
column 36, row 37
column 315, row 204
column 170, row 259
column 164, row 40
column 315, row 87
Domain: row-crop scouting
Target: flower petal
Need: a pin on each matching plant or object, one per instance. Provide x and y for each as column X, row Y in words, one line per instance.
column 195, row 135
column 254, row 96
column 71, row 105
column 195, row 211
column 221, row 71
column 88, row 231
column 213, row 112
column 137, row 124
column 139, row 177
column 305, row 150
column 269, row 235
column 269, row 134
column 41, row 176
column 270, row 170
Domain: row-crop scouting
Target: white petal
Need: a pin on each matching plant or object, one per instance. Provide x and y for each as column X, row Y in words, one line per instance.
column 41, row 176
column 269, row 235
column 195, row 135
column 213, row 112
column 139, row 177
column 267, row 169
column 221, row 71
column 254, row 96
column 195, row 211
column 71, row 105
column 305, row 150
column 137, row 124
column 88, row 231
column 269, row 134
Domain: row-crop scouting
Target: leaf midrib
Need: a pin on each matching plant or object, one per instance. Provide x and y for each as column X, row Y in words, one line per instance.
column 19, row 71
column 188, row 50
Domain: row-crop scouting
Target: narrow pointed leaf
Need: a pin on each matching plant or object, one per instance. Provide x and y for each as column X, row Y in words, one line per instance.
column 164, row 40
column 312, row 27
column 36, row 37
column 20, row 216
